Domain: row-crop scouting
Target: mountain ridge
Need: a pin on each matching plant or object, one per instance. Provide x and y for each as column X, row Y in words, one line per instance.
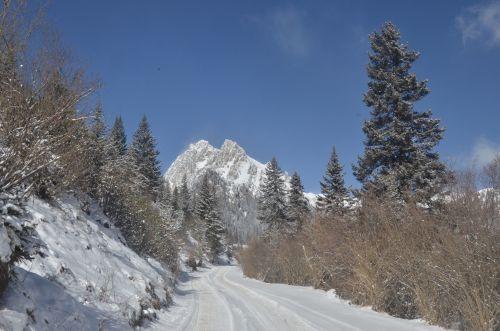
column 240, row 173
column 230, row 161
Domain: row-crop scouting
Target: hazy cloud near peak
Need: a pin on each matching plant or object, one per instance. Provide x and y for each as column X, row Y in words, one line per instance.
column 481, row 23
column 287, row 28
column 484, row 151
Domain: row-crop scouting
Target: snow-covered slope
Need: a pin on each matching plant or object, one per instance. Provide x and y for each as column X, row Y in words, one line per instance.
column 240, row 175
column 85, row 278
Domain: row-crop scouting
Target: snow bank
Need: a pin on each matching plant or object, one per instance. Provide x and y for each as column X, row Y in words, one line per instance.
column 85, row 277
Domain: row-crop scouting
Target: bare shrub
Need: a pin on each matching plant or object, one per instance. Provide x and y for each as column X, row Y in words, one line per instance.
column 405, row 259
column 40, row 127
column 256, row 259
column 491, row 173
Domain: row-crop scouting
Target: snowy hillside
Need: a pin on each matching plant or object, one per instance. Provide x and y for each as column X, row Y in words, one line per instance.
column 240, row 174
column 85, row 277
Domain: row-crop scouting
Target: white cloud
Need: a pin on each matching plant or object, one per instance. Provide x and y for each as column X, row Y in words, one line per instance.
column 287, row 29
column 484, row 152
column 481, row 23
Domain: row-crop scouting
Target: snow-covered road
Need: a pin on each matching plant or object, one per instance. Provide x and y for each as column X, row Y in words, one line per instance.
column 221, row 298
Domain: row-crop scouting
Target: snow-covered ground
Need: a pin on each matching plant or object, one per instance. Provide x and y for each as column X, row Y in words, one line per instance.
column 221, row 298
column 87, row 279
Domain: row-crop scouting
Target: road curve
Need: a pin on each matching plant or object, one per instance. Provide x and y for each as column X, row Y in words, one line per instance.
column 221, row 298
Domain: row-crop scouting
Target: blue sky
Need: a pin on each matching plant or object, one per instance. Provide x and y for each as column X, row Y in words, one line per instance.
column 284, row 78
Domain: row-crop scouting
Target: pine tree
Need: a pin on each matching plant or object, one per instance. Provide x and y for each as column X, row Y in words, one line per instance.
column 204, row 199
column 175, row 198
column 97, row 150
column 399, row 155
column 165, row 193
column 298, row 207
column 120, row 178
column 333, row 192
column 271, row 204
column 117, row 138
column 185, row 197
column 215, row 234
column 207, row 211
column 98, row 128
column 145, row 155
column 116, row 163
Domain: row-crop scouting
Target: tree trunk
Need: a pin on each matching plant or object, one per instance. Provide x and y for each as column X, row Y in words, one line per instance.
column 4, row 277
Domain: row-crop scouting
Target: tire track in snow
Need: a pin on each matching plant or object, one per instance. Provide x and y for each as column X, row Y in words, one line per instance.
column 221, row 298
column 194, row 311
column 264, row 313
column 312, row 323
column 214, row 312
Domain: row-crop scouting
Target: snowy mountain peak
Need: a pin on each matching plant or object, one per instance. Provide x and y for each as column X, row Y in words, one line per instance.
column 241, row 176
column 230, row 161
column 200, row 147
column 240, row 180
column 230, row 146
column 231, row 151
column 200, row 144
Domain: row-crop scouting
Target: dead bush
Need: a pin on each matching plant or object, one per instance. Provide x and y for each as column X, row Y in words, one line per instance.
column 256, row 259
column 407, row 260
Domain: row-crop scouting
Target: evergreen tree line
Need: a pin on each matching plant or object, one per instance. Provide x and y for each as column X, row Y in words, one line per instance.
column 399, row 161
column 209, row 225
column 154, row 217
column 417, row 240
column 197, row 213
column 282, row 211
column 126, row 181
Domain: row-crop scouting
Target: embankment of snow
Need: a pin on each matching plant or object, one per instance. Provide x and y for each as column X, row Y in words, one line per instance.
column 85, row 277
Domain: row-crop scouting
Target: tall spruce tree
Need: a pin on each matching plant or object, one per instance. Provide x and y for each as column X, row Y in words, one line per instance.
column 175, row 198
column 272, row 204
column 179, row 215
column 166, row 193
column 333, row 191
column 399, row 156
column 117, row 137
column 120, row 177
column 298, row 207
column 145, row 155
column 97, row 149
column 207, row 211
column 185, row 196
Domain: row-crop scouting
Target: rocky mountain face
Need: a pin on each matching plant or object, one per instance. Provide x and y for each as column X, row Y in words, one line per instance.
column 230, row 162
column 238, row 177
